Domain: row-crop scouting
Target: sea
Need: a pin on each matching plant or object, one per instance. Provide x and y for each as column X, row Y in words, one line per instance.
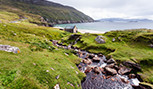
column 105, row 26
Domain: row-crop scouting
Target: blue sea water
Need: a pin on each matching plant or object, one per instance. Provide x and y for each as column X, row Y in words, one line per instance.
column 101, row 27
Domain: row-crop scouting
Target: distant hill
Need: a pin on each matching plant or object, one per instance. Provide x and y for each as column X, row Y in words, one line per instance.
column 122, row 20
column 51, row 12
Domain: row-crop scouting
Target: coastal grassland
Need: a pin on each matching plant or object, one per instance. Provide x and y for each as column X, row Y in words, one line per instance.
column 129, row 45
column 39, row 62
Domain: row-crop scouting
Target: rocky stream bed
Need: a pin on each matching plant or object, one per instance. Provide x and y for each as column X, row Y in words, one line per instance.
column 103, row 73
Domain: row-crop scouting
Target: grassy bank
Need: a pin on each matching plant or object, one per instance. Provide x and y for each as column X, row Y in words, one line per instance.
column 129, row 45
column 39, row 62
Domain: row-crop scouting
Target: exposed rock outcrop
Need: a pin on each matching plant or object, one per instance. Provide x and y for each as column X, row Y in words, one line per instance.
column 100, row 39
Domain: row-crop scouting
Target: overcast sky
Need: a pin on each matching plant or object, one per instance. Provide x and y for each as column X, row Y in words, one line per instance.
column 98, row 9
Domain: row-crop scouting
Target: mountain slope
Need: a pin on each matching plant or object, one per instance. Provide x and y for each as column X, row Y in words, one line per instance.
column 50, row 11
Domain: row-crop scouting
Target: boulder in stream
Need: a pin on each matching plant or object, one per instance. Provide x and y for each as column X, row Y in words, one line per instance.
column 110, row 71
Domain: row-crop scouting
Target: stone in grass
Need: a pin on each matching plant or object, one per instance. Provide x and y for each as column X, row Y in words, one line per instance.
column 68, row 83
column 9, row 48
column 57, row 86
column 47, row 70
column 151, row 45
column 34, row 64
column 113, row 40
column 57, row 77
column 52, row 68
column 100, row 39
column 66, row 54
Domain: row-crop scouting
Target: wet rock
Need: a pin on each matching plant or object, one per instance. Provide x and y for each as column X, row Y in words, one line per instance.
column 139, row 77
column 134, row 82
column 96, row 59
column 142, row 86
column 80, row 66
column 57, row 86
column 99, row 81
column 111, row 65
column 91, row 56
column 124, row 80
column 132, row 65
column 103, row 65
column 110, row 71
column 131, row 76
column 108, row 77
column 89, row 69
column 87, row 61
column 100, row 39
column 110, row 61
column 97, row 70
column 100, row 55
column 124, row 70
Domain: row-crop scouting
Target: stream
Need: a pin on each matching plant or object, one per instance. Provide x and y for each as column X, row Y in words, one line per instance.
column 102, row 73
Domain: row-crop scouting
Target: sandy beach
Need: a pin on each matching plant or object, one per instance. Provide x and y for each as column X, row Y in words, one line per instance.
column 85, row 30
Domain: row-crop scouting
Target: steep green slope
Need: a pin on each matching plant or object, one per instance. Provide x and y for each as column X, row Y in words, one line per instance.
column 51, row 12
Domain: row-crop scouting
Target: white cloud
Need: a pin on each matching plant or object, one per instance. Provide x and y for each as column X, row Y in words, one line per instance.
column 98, row 9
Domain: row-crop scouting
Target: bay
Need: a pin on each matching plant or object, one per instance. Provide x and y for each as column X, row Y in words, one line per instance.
column 101, row 27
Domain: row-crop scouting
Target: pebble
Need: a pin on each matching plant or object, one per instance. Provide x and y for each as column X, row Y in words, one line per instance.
column 72, row 67
column 47, row 70
column 52, row 68
column 34, row 64
column 57, row 77
column 76, row 72
column 68, row 83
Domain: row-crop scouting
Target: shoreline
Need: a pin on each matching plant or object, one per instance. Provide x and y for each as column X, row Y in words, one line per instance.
column 85, row 31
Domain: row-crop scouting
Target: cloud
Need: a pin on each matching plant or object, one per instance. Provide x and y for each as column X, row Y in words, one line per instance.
column 98, row 9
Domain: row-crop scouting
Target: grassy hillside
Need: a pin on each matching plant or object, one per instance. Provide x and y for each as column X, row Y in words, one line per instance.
column 39, row 62
column 129, row 45
column 51, row 12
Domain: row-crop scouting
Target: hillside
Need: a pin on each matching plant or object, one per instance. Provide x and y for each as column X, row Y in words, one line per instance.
column 51, row 12
column 39, row 62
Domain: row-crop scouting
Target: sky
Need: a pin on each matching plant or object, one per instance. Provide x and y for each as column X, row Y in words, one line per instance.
column 98, row 9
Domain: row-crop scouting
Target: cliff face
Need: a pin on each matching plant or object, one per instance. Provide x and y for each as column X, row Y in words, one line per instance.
column 53, row 13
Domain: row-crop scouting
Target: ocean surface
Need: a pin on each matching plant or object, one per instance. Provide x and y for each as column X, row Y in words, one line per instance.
column 101, row 27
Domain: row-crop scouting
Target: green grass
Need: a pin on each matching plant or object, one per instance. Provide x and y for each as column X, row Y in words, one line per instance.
column 19, row 70
column 132, row 45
